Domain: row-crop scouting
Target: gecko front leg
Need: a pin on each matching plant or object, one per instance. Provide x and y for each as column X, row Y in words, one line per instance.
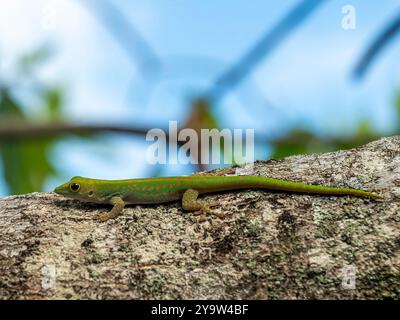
column 191, row 203
column 118, row 205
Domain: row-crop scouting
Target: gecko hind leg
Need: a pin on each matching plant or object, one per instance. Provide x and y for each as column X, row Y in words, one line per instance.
column 191, row 203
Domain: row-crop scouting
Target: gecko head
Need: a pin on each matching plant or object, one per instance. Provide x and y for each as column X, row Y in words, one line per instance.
column 78, row 188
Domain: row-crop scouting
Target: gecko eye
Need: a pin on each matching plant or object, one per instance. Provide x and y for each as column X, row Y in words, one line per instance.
column 74, row 187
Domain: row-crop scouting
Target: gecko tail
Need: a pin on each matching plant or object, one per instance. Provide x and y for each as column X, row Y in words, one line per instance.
column 366, row 194
column 275, row 184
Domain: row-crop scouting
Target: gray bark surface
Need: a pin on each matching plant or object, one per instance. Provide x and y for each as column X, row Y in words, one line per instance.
column 269, row 245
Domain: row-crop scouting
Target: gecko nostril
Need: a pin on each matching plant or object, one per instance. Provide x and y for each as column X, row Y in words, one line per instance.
column 90, row 193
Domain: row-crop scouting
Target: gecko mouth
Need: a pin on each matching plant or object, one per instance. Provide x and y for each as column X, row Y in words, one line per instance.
column 62, row 190
column 58, row 190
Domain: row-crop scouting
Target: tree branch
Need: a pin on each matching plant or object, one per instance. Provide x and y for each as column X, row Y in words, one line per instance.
column 32, row 131
column 269, row 245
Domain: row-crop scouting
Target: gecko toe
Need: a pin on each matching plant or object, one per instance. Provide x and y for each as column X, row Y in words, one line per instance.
column 198, row 212
column 213, row 204
column 103, row 217
column 206, row 209
column 216, row 213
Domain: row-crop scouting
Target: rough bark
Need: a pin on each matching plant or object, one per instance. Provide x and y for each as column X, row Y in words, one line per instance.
column 269, row 245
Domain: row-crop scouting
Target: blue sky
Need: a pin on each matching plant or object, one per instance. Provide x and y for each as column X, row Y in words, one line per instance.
column 307, row 79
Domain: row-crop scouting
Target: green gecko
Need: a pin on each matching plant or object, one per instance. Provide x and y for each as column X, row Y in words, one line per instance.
column 168, row 189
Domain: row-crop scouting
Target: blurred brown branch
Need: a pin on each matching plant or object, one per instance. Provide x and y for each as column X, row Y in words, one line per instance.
column 304, row 138
column 25, row 130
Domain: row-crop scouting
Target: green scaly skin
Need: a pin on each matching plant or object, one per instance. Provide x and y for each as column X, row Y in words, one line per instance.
column 168, row 189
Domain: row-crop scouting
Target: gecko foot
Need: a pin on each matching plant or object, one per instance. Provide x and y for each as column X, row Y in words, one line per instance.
column 205, row 210
column 103, row 217
column 191, row 203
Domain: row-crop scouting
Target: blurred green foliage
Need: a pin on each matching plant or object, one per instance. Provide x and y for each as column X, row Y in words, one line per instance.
column 302, row 141
column 26, row 162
